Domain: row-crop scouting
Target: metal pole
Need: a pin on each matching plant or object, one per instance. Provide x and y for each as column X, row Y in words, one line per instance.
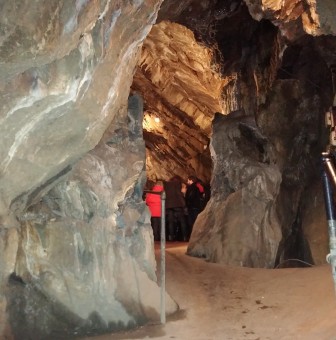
column 333, row 79
column 163, row 257
column 328, row 168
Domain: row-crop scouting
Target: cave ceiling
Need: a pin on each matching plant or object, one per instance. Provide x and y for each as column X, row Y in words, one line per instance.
column 210, row 56
column 181, row 86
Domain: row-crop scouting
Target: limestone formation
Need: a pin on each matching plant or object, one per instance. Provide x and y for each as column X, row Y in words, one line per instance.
column 271, row 71
column 180, row 84
column 239, row 225
column 76, row 249
column 63, row 80
column 296, row 18
column 85, row 261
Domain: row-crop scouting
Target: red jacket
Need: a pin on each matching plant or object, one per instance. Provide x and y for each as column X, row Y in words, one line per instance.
column 154, row 201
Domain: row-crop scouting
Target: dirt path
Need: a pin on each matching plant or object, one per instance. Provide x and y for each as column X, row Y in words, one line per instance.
column 230, row 303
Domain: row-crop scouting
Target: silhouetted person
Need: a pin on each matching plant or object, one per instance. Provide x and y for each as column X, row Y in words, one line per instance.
column 193, row 201
column 175, row 208
column 154, row 204
column 200, row 186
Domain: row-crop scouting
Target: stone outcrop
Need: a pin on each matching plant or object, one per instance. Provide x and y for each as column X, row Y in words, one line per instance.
column 62, row 83
column 85, row 261
column 288, row 137
column 239, row 225
column 76, row 249
column 296, row 18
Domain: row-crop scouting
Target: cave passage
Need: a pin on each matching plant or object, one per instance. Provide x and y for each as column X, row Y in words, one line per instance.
column 234, row 92
column 213, row 91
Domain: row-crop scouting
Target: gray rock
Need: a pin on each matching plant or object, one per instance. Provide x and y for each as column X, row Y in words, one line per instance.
column 88, row 265
column 239, row 225
column 76, row 245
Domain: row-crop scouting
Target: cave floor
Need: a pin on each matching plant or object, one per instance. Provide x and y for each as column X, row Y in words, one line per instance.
column 221, row 302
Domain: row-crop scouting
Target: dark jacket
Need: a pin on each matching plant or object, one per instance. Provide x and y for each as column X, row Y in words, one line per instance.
column 174, row 196
column 193, row 197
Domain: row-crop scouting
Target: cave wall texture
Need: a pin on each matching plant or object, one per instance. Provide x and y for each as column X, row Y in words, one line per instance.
column 266, row 204
column 240, row 87
column 76, row 246
column 272, row 61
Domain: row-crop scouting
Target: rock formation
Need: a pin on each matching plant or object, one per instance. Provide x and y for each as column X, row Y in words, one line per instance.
column 179, row 83
column 76, row 247
column 275, row 67
column 86, row 246
column 242, row 224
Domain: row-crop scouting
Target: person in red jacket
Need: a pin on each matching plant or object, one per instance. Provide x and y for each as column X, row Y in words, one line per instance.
column 154, row 204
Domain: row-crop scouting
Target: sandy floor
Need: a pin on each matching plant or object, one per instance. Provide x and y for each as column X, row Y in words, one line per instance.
column 219, row 302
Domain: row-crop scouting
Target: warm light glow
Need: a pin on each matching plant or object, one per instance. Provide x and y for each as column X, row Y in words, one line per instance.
column 150, row 122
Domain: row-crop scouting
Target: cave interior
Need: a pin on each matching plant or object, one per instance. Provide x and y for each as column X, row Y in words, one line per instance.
column 213, row 57
column 101, row 99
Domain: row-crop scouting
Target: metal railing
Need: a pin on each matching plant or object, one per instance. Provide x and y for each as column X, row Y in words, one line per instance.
column 329, row 178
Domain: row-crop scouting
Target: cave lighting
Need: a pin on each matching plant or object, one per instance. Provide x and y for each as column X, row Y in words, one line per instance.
column 150, row 122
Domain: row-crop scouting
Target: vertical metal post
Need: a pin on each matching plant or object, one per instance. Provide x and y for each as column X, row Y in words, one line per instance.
column 163, row 258
column 328, row 169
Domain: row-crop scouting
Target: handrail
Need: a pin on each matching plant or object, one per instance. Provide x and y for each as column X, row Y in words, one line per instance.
column 329, row 177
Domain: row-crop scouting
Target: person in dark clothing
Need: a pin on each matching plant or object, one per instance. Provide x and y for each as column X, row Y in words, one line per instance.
column 193, row 201
column 175, row 209
column 200, row 187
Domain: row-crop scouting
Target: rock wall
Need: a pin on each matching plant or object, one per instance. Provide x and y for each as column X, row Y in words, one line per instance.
column 284, row 85
column 63, row 81
column 85, row 261
column 266, row 204
column 293, row 119
column 295, row 18
column 76, row 250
